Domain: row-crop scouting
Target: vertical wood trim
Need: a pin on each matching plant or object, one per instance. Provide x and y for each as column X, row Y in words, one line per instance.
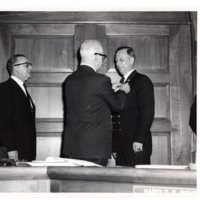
column 82, row 32
column 130, row 29
column 174, row 71
column 2, row 56
column 4, row 52
column 101, row 36
column 174, row 43
column 78, row 37
column 176, row 140
column 180, row 92
column 193, row 28
column 186, row 90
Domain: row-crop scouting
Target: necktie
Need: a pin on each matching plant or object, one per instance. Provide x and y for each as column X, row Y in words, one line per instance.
column 28, row 96
column 122, row 80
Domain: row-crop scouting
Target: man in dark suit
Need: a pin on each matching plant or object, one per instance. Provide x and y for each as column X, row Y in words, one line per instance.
column 193, row 115
column 17, row 111
column 132, row 140
column 89, row 100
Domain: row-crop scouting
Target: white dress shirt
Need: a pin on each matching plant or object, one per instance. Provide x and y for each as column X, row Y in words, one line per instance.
column 19, row 82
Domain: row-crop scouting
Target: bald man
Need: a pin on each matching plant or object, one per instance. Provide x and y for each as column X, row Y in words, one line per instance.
column 89, row 100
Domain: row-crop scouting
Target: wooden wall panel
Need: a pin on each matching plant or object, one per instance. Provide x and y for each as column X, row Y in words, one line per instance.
column 161, row 102
column 130, row 29
column 39, row 29
column 151, row 51
column 46, row 52
column 4, row 53
column 48, row 77
column 186, row 90
column 48, row 146
column 2, row 58
column 24, row 186
column 161, row 149
column 48, row 101
column 180, row 92
column 48, row 127
column 122, row 17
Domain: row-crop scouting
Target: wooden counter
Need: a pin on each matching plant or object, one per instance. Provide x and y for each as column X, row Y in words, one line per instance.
column 95, row 179
column 120, row 180
column 24, row 179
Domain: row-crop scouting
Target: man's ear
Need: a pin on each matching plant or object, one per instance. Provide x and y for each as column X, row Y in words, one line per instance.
column 132, row 60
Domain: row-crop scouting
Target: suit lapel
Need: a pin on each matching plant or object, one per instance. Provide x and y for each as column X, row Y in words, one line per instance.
column 131, row 76
column 19, row 90
column 16, row 87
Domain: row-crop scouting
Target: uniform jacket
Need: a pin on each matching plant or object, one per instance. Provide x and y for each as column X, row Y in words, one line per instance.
column 133, row 123
column 89, row 100
column 17, row 121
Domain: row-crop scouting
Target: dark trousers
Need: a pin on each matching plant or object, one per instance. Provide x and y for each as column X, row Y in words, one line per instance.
column 99, row 161
column 3, row 152
column 127, row 157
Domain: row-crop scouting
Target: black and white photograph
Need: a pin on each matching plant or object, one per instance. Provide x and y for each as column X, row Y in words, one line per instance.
column 98, row 101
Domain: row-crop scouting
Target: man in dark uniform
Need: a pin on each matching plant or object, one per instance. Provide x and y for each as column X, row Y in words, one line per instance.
column 89, row 101
column 132, row 140
column 17, row 112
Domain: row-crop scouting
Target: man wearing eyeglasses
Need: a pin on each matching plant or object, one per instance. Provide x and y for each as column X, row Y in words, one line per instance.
column 17, row 111
column 89, row 99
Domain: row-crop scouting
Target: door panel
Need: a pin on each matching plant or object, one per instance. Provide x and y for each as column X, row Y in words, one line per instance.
column 46, row 52
column 151, row 51
column 48, row 101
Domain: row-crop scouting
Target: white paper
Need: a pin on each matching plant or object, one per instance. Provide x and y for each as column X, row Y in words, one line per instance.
column 56, row 161
column 162, row 166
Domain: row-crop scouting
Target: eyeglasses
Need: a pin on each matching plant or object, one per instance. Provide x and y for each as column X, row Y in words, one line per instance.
column 100, row 54
column 25, row 63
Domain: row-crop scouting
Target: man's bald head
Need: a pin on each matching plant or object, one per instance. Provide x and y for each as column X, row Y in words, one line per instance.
column 89, row 51
column 89, row 47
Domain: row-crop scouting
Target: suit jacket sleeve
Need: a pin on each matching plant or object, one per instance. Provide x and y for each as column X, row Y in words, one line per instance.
column 116, row 100
column 193, row 116
column 145, row 99
column 6, row 120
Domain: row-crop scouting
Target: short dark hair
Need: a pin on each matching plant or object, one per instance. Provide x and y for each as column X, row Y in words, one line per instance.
column 11, row 61
column 130, row 51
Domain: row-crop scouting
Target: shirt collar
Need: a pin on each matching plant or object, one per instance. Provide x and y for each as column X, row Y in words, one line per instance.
column 89, row 66
column 127, row 74
column 17, row 80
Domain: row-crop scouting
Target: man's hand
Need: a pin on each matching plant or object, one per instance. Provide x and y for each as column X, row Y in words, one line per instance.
column 116, row 86
column 13, row 155
column 125, row 87
column 114, row 155
column 137, row 147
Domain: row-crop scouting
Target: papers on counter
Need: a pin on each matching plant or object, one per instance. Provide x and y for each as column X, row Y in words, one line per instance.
column 162, row 166
column 56, row 161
